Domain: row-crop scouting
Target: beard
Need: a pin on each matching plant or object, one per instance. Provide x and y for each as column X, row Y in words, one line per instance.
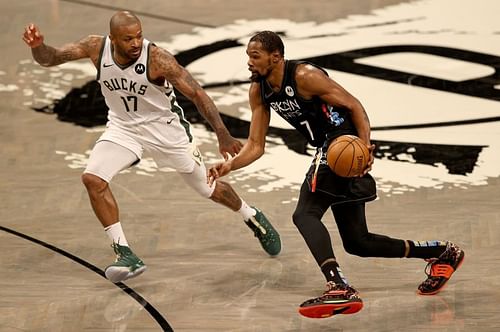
column 256, row 77
column 127, row 55
column 134, row 53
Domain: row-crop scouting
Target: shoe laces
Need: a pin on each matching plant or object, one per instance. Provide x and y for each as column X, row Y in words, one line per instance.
column 428, row 267
column 331, row 286
column 338, row 289
column 439, row 267
column 116, row 248
column 119, row 250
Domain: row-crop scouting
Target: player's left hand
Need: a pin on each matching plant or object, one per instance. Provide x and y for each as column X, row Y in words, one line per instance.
column 229, row 146
column 218, row 170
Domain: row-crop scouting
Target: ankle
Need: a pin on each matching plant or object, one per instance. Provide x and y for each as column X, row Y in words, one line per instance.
column 332, row 272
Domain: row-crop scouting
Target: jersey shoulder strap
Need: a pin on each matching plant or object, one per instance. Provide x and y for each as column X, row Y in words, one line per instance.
column 299, row 62
column 267, row 92
column 99, row 59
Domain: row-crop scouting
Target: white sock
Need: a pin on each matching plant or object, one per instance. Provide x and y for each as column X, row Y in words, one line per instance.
column 246, row 211
column 115, row 234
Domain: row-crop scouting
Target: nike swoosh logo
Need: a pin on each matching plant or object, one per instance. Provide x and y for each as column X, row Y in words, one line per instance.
column 107, row 65
column 170, row 121
column 267, row 95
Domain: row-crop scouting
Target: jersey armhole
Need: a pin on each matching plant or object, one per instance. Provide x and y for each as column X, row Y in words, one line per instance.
column 147, row 63
column 151, row 44
column 99, row 59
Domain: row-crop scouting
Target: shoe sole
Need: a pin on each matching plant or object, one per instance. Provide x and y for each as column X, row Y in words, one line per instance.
column 116, row 275
column 328, row 310
column 444, row 284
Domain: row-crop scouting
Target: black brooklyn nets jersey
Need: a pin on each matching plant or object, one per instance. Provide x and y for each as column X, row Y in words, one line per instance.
column 316, row 120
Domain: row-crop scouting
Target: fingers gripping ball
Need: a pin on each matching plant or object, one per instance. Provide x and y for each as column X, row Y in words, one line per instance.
column 348, row 156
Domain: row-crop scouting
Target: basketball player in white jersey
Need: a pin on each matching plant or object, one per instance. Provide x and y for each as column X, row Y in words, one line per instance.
column 137, row 80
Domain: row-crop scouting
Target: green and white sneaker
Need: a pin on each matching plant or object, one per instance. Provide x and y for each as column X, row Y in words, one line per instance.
column 126, row 266
column 265, row 232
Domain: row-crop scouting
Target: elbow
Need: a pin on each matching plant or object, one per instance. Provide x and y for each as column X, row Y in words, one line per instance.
column 258, row 152
column 199, row 98
column 43, row 59
column 261, row 152
column 353, row 104
column 45, row 64
column 254, row 148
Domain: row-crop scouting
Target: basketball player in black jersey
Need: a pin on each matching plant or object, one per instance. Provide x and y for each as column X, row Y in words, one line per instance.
column 321, row 110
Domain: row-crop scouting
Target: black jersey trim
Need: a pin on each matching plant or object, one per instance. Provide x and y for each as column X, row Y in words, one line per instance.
column 99, row 59
column 123, row 67
column 148, row 77
column 147, row 63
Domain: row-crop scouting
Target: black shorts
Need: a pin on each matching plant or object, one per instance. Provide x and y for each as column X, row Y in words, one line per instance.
column 341, row 189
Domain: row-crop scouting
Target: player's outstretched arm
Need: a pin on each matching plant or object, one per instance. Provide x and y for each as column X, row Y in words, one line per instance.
column 255, row 145
column 163, row 64
column 47, row 56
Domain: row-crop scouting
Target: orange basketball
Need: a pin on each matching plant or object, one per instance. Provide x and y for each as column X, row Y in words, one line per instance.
column 348, row 156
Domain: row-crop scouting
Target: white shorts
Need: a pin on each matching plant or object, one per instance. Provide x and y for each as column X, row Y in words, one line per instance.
column 168, row 142
column 118, row 149
column 107, row 159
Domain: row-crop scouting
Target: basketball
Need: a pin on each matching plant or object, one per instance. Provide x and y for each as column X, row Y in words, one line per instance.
column 348, row 156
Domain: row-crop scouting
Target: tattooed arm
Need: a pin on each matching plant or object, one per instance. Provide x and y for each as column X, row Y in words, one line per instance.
column 47, row 56
column 162, row 65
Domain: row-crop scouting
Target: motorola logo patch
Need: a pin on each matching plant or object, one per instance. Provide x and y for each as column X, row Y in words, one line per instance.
column 140, row 68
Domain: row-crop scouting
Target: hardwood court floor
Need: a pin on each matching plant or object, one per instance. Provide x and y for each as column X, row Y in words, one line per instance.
column 206, row 272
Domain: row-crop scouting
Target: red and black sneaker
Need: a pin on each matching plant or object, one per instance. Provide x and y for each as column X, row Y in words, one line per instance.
column 439, row 270
column 337, row 299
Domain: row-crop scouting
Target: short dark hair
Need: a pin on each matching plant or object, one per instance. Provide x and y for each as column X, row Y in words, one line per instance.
column 270, row 41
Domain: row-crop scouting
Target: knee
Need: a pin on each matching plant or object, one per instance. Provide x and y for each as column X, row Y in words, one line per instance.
column 356, row 247
column 205, row 191
column 224, row 194
column 197, row 180
column 298, row 218
column 93, row 183
column 221, row 189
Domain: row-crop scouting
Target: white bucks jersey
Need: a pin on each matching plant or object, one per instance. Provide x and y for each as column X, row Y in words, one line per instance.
column 130, row 96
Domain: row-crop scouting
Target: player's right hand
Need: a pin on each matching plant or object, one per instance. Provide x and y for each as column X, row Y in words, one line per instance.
column 228, row 146
column 371, row 149
column 32, row 36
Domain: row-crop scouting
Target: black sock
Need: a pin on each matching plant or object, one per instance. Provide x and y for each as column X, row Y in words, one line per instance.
column 426, row 249
column 332, row 272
